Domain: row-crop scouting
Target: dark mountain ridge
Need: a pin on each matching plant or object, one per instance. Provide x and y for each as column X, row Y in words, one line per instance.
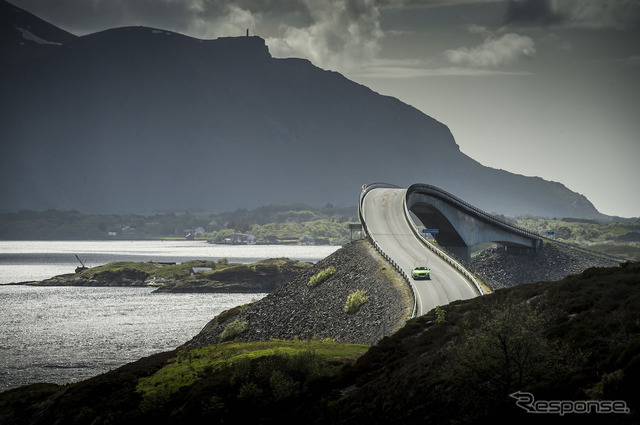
column 137, row 119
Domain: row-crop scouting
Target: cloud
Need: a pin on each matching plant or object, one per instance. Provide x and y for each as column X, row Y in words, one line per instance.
column 401, row 72
column 620, row 14
column 493, row 52
column 232, row 21
column 343, row 35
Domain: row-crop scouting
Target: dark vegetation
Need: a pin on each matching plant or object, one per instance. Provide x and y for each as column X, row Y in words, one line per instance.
column 284, row 222
column 575, row 339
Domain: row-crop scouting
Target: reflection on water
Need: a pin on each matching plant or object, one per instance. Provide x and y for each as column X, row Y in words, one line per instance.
column 66, row 334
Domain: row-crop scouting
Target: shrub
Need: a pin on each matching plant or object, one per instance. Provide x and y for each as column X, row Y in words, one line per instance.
column 233, row 329
column 355, row 300
column 250, row 391
column 282, row 385
column 440, row 313
column 320, row 277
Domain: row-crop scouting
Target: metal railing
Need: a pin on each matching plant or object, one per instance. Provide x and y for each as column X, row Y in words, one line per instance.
column 452, row 262
column 378, row 248
column 455, row 264
column 467, row 207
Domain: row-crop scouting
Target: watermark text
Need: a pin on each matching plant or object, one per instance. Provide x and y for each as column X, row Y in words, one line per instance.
column 527, row 402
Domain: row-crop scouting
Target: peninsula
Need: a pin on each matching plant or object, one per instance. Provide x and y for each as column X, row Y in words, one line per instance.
column 190, row 276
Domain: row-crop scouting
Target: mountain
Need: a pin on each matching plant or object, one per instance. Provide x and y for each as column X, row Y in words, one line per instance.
column 23, row 35
column 139, row 119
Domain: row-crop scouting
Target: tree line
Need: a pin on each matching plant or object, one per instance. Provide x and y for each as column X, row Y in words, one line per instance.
column 72, row 224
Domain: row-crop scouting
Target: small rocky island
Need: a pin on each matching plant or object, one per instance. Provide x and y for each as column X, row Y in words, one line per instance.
column 190, row 276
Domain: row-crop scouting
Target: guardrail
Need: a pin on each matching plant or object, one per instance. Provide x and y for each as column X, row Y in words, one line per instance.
column 450, row 198
column 461, row 269
column 378, row 248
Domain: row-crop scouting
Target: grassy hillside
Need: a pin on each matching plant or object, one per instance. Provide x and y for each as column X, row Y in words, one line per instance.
column 617, row 238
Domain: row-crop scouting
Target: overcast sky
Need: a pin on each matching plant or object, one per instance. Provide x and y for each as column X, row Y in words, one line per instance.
column 547, row 88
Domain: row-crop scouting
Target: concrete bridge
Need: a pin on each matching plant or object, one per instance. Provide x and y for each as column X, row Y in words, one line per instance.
column 460, row 226
column 385, row 214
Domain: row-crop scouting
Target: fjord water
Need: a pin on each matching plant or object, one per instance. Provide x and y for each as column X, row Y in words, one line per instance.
column 66, row 334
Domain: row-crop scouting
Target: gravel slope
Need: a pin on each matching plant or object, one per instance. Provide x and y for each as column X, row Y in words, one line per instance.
column 500, row 269
column 296, row 310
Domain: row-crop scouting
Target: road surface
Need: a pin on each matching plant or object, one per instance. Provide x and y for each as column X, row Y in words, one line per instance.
column 383, row 213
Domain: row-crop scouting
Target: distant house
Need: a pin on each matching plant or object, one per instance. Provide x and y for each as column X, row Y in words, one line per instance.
column 196, row 270
column 240, row 239
column 307, row 240
column 271, row 240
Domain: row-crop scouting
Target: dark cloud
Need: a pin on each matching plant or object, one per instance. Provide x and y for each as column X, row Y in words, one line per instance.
column 536, row 12
column 623, row 14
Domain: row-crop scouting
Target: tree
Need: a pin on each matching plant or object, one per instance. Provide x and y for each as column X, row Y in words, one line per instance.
column 508, row 349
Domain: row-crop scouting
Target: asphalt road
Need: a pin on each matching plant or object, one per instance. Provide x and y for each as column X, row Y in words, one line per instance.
column 383, row 212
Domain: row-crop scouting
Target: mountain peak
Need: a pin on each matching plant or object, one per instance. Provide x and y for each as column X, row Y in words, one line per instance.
column 24, row 36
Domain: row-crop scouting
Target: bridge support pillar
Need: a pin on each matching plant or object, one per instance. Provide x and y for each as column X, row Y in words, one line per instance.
column 461, row 252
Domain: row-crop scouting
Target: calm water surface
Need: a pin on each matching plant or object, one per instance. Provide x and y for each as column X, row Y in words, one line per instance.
column 67, row 334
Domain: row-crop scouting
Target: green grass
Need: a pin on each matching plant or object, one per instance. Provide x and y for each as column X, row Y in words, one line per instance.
column 233, row 329
column 321, row 276
column 190, row 365
column 628, row 252
column 120, row 266
column 355, row 300
column 220, row 269
column 154, row 269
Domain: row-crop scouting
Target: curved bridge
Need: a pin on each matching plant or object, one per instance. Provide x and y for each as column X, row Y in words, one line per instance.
column 385, row 216
column 461, row 226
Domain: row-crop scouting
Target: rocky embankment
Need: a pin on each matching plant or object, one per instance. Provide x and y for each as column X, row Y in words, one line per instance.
column 298, row 310
column 500, row 269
